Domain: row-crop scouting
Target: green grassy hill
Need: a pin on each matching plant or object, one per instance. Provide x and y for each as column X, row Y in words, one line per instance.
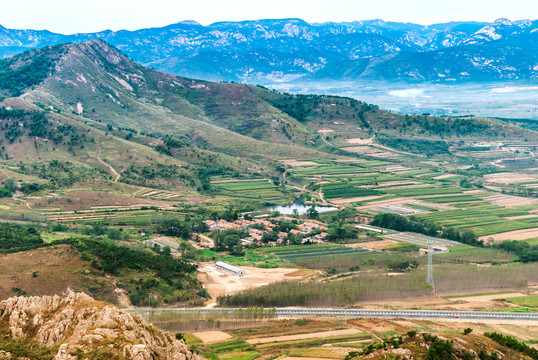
column 88, row 105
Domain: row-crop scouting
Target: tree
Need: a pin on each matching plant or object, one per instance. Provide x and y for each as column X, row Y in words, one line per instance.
column 467, row 331
column 441, row 350
column 312, row 213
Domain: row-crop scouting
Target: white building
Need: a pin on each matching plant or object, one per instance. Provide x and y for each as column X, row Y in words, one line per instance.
column 220, row 265
column 436, row 249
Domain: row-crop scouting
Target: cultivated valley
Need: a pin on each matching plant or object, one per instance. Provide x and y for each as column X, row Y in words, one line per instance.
column 209, row 207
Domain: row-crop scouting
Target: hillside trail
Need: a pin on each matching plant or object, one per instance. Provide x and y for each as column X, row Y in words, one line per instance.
column 114, row 172
column 18, row 195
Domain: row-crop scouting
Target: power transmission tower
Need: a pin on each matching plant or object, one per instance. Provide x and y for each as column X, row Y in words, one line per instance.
column 429, row 278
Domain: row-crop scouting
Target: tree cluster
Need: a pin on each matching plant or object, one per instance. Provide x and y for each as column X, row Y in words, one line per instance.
column 523, row 250
column 14, row 236
column 414, row 224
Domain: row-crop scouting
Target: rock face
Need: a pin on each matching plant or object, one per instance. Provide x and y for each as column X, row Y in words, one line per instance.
column 77, row 324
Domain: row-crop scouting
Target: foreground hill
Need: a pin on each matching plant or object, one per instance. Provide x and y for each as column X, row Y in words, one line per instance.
column 80, row 112
column 78, row 327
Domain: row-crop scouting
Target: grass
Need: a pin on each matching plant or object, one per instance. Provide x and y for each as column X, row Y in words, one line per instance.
column 467, row 253
column 520, row 310
column 315, row 353
column 191, row 339
column 234, row 346
column 479, row 294
column 244, row 355
column 262, row 190
column 314, row 341
column 532, row 242
column 255, row 258
column 530, row 301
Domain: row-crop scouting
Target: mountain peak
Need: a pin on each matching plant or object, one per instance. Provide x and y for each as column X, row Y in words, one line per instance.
column 190, row 22
column 503, row 21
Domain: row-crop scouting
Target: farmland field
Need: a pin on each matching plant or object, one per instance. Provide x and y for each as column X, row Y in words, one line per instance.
column 262, row 190
column 344, row 190
column 313, row 251
column 526, row 301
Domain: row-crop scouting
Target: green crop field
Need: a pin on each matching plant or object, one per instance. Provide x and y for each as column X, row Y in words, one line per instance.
column 426, row 191
column 263, row 190
column 244, row 185
column 526, row 301
column 483, row 220
column 345, row 190
column 313, row 252
column 278, row 249
column 328, row 169
column 450, row 199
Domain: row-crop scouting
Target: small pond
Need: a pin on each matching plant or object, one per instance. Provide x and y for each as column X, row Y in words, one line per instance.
column 300, row 207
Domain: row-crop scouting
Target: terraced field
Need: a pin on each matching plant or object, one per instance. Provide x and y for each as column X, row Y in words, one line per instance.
column 344, row 190
column 420, row 239
column 483, row 220
column 329, row 169
column 262, row 190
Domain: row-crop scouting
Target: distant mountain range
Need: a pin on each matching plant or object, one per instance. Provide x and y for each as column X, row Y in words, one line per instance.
column 266, row 51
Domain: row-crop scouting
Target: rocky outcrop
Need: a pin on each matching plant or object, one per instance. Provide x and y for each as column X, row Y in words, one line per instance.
column 78, row 325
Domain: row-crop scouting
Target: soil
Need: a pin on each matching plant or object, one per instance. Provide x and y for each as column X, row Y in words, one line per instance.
column 209, row 337
column 303, row 336
column 510, row 200
column 294, row 163
column 395, row 201
column 508, row 178
column 486, row 297
column 512, row 235
column 359, row 141
column 445, row 176
column 365, row 150
column 374, row 245
column 87, row 199
column 354, row 199
column 49, row 271
column 218, row 283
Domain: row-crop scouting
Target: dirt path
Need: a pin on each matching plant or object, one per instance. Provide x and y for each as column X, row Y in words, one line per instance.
column 18, row 197
column 210, row 242
column 112, row 170
column 322, row 334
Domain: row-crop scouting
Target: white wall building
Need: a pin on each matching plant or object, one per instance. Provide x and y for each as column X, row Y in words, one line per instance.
column 220, row 265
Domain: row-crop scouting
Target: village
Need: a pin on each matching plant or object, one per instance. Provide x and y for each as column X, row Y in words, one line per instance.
column 264, row 231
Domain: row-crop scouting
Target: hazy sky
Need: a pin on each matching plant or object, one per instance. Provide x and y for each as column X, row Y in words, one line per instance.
column 71, row 16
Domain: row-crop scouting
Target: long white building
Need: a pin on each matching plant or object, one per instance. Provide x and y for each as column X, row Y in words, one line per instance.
column 219, row 265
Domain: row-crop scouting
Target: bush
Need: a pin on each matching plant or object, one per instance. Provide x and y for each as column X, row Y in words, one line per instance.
column 301, row 321
column 14, row 236
column 440, row 350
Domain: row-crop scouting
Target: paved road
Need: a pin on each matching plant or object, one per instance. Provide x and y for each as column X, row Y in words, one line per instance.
column 389, row 314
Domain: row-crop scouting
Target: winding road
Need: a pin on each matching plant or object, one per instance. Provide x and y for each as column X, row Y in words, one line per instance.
column 366, row 313
column 114, row 172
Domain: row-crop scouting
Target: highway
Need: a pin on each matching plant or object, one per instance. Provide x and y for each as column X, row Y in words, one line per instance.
column 362, row 313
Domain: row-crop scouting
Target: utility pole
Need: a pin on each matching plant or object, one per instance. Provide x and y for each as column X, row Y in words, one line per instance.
column 429, row 278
